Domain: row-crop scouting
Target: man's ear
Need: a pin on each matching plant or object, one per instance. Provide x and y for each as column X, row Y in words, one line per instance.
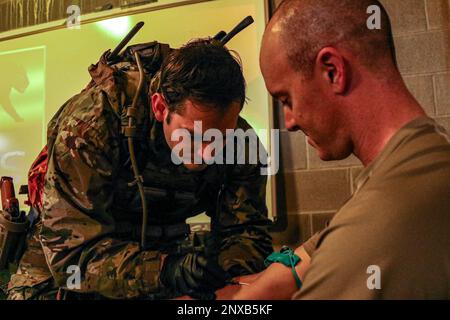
column 333, row 70
column 159, row 107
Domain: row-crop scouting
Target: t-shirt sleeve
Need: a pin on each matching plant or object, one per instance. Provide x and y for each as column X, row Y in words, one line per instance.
column 344, row 263
column 311, row 244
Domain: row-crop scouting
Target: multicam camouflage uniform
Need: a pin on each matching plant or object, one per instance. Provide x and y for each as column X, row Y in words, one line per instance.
column 92, row 216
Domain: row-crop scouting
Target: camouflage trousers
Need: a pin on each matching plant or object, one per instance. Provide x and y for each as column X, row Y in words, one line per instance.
column 42, row 291
column 47, row 291
column 5, row 275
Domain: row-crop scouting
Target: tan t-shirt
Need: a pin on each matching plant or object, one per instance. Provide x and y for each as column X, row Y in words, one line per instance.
column 391, row 239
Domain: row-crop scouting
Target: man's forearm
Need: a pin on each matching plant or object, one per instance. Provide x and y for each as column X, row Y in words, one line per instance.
column 275, row 283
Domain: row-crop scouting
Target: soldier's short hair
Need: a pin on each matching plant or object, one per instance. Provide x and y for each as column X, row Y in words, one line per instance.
column 306, row 26
column 203, row 72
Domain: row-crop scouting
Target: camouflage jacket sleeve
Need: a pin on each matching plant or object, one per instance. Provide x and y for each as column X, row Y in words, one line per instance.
column 77, row 222
column 242, row 220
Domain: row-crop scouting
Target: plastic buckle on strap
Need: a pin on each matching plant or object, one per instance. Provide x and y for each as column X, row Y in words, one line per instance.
column 130, row 131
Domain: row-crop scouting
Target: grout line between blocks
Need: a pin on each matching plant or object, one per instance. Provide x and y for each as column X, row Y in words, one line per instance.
column 435, row 95
column 427, row 16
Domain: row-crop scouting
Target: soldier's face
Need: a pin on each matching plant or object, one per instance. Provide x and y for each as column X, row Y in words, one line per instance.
column 306, row 101
column 196, row 119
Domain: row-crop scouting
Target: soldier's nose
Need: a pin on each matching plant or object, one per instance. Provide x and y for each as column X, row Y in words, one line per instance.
column 289, row 120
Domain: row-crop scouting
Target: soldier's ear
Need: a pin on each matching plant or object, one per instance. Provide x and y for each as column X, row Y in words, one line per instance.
column 332, row 68
column 159, row 106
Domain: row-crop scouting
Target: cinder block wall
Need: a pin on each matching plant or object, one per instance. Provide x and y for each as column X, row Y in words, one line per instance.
column 313, row 190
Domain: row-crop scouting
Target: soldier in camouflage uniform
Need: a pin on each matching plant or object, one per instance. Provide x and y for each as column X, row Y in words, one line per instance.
column 92, row 216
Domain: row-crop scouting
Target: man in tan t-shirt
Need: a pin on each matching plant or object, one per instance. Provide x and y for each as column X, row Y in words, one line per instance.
column 391, row 239
column 339, row 83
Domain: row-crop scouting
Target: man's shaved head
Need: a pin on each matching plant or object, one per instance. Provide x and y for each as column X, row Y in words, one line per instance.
column 306, row 26
column 336, row 79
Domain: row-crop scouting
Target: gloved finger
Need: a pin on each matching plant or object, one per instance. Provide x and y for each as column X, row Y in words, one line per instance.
column 170, row 270
column 212, row 282
column 193, row 279
column 182, row 285
column 202, row 295
column 213, row 269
